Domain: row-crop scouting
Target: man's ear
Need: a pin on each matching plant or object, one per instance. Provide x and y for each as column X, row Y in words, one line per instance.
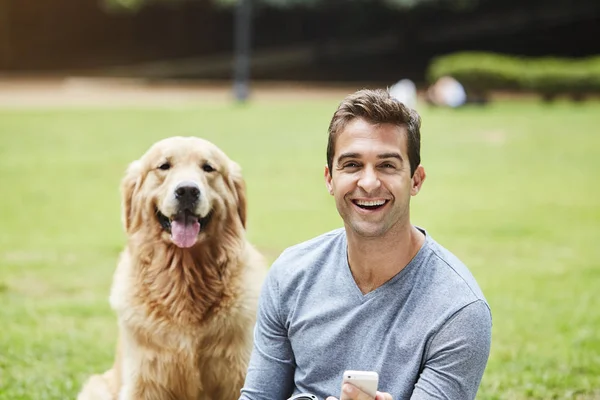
column 417, row 180
column 328, row 183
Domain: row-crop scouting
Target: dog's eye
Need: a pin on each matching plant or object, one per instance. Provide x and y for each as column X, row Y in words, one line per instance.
column 165, row 166
column 208, row 168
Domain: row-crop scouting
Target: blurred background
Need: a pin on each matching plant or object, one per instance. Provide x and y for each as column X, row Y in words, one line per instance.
column 508, row 92
column 327, row 41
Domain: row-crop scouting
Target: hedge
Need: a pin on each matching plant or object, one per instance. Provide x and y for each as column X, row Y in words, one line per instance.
column 481, row 72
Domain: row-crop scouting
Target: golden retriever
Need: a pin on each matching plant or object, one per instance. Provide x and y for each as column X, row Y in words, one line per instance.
column 186, row 286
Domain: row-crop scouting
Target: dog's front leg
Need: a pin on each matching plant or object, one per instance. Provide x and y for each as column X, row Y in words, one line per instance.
column 138, row 387
column 141, row 378
column 130, row 371
column 133, row 358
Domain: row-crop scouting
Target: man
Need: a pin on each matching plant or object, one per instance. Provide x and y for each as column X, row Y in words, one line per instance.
column 379, row 294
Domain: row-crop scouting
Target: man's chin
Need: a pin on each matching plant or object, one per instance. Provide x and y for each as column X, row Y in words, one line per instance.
column 367, row 229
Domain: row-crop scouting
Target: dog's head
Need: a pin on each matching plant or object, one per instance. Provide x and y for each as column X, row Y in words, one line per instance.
column 183, row 189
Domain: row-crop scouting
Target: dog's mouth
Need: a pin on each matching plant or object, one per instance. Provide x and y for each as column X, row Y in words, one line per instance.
column 184, row 227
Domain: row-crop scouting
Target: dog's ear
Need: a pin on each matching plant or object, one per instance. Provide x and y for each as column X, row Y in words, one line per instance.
column 130, row 183
column 238, row 186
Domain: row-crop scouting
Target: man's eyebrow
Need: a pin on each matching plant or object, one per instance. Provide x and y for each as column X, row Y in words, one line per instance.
column 390, row 155
column 347, row 155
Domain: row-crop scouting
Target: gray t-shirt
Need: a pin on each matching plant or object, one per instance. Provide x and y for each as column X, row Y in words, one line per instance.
column 426, row 331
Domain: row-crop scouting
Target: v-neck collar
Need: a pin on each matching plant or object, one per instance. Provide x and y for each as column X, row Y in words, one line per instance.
column 414, row 263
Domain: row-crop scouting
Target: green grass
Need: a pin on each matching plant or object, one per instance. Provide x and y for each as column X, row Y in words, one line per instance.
column 512, row 189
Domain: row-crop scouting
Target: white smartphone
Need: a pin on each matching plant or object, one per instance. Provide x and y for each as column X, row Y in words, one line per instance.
column 366, row 381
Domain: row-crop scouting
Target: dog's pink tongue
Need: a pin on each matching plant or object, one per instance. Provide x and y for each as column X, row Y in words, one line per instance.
column 184, row 231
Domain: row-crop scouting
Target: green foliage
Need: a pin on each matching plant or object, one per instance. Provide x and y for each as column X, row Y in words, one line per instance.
column 481, row 72
column 477, row 70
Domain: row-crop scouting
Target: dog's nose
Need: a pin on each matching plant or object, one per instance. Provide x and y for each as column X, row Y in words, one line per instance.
column 187, row 193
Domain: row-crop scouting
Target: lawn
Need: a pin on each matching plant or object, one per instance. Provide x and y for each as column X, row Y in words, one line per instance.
column 512, row 189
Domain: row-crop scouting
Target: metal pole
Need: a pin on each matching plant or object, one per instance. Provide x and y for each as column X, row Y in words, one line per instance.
column 5, row 35
column 243, row 30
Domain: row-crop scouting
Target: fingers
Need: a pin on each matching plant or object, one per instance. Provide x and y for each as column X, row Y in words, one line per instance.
column 351, row 392
column 383, row 396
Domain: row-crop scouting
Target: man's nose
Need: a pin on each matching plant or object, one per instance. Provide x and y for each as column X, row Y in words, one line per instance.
column 369, row 180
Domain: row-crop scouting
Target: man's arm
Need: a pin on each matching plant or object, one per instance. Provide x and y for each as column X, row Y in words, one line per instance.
column 271, row 369
column 457, row 356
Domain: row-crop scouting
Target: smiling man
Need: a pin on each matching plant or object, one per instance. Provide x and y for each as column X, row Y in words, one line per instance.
column 379, row 294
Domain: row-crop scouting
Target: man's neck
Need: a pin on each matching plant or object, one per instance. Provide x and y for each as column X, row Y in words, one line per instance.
column 375, row 261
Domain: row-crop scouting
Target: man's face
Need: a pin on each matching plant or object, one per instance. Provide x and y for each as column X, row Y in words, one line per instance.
column 370, row 178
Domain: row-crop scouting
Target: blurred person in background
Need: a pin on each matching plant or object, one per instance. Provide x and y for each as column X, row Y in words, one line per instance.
column 447, row 92
column 405, row 91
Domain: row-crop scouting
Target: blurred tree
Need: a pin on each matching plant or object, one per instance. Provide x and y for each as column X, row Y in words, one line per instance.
column 243, row 23
column 401, row 4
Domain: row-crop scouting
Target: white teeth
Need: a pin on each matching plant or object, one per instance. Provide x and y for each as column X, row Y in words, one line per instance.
column 371, row 203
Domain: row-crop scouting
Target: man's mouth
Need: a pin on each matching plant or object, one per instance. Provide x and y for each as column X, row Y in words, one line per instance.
column 370, row 204
column 184, row 226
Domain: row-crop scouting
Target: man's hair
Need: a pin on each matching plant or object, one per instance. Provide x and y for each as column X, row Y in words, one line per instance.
column 377, row 107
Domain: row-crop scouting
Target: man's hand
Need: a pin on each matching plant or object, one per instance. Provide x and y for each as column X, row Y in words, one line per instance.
column 351, row 392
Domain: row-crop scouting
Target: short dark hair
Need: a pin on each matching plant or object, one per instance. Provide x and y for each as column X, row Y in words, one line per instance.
column 378, row 107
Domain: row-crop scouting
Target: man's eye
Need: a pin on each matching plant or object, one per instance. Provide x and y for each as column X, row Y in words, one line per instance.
column 208, row 168
column 388, row 165
column 165, row 166
column 351, row 165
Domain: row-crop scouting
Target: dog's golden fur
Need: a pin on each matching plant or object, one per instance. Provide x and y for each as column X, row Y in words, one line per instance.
column 185, row 315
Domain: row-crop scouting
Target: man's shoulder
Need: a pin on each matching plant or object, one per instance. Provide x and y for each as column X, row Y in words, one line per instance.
column 310, row 252
column 450, row 271
column 321, row 243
